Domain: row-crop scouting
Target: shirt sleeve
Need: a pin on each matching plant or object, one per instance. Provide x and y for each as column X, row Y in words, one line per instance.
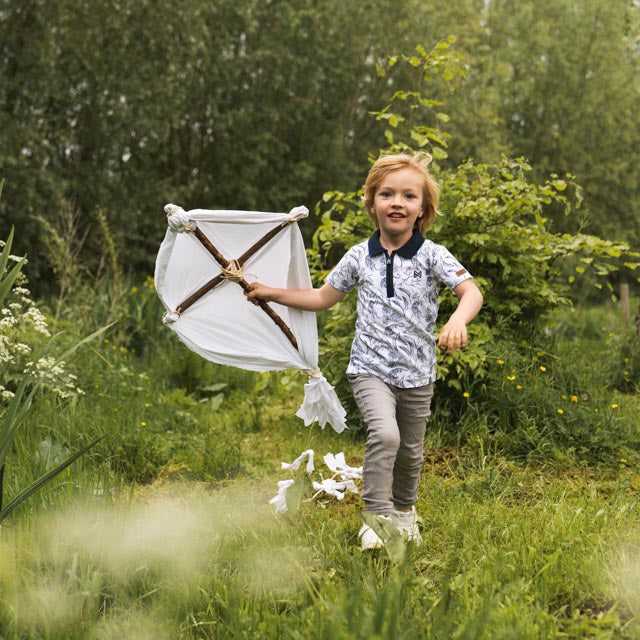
column 345, row 274
column 447, row 269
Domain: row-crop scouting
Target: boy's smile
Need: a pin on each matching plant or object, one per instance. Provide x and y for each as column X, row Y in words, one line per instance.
column 397, row 205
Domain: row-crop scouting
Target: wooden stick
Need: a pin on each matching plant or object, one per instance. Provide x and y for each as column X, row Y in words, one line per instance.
column 224, row 263
column 214, row 282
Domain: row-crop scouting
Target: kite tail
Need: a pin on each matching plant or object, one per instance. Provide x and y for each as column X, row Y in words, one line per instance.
column 321, row 404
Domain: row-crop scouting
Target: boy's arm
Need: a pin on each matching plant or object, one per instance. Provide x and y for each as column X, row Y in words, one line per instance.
column 453, row 335
column 306, row 299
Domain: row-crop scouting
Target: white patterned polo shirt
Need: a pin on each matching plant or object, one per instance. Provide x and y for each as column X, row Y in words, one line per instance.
column 397, row 307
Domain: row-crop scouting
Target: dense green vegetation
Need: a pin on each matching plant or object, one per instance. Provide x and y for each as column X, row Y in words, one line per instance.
column 162, row 528
column 252, row 104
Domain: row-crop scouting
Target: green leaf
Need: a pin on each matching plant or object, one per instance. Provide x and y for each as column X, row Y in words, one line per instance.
column 439, row 153
column 44, row 479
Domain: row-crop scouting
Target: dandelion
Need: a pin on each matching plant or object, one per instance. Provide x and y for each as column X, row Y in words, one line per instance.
column 559, row 411
column 564, row 397
column 466, row 394
column 134, row 289
column 143, row 424
column 615, row 405
column 147, row 405
column 542, row 368
column 574, row 398
column 511, row 378
column 519, row 387
column 500, row 361
column 624, row 461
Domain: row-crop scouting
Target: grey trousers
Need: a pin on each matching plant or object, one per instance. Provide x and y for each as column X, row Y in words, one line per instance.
column 396, row 421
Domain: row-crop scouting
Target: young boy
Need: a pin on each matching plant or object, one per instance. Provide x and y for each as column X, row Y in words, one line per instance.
column 392, row 365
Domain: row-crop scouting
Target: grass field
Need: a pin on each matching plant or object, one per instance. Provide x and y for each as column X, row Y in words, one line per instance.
column 529, row 501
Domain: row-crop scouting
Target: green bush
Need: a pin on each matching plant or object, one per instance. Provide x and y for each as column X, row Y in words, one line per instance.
column 496, row 221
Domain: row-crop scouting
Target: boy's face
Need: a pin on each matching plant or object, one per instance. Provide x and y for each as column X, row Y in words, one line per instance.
column 397, row 204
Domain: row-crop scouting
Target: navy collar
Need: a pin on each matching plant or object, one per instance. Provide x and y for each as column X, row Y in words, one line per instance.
column 407, row 250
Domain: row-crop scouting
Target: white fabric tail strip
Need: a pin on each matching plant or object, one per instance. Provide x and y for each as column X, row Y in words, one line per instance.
column 322, row 404
column 338, row 465
column 334, row 488
column 279, row 501
column 295, row 465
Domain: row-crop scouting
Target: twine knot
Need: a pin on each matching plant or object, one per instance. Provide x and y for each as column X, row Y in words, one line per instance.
column 170, row 317
column 298, row 212
column 178, row 219
column 233, row 271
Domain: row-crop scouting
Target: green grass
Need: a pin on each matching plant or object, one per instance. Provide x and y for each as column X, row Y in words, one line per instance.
column 164, row 529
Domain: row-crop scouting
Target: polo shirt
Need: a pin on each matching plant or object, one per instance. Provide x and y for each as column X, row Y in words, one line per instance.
column 397, row 307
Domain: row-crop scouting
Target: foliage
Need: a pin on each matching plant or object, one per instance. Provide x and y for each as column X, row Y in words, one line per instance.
column 538, row 405
column 496, row 222
column 29, row 382
column 566, row 76
column 219, row 104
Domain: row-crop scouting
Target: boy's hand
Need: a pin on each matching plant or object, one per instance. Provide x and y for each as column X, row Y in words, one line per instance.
column 259, row 291
column 453, row 335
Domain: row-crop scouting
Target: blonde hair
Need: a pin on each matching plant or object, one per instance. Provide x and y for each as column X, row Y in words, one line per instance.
column 419, row 162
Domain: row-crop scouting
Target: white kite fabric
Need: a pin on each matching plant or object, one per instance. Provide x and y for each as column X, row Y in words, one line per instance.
column 221, row 325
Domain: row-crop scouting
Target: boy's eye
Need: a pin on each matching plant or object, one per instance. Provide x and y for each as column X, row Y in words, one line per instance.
column 411, row 195
column 384, row 194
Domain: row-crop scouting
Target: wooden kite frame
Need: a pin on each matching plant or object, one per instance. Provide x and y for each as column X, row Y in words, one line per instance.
column 225, row 263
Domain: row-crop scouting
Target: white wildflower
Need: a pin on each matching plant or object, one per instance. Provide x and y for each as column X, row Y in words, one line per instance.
column 21, row 348
column 5, row 394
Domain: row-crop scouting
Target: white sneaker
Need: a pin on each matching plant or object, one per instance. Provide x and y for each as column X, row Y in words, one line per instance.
column 407, row 524
column 369, row 539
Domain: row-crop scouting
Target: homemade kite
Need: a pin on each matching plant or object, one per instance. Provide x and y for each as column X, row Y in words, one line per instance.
column 201, row 275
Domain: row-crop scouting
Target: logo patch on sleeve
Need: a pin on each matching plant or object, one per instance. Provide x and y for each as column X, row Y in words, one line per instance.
column 461, row 272
column 417, row 274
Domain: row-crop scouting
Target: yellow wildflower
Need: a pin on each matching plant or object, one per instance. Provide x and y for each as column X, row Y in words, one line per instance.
column 519, row 387
column 559, row 411
column 500, row 361
column 511, row 378
column 466, row 394
column 542, row 368
column 143, row 424
column 574, row 398
column 614, row 406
